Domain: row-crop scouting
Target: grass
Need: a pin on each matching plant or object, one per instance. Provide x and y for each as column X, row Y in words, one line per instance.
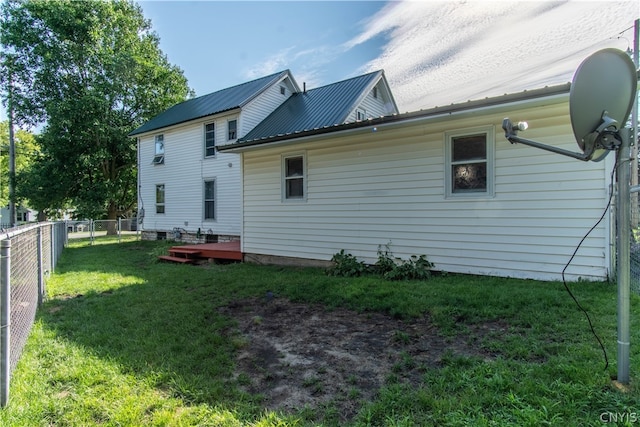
column 123, row 340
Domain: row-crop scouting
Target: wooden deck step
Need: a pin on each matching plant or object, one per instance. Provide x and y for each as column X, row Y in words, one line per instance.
column 183, row 251
column 176, row 259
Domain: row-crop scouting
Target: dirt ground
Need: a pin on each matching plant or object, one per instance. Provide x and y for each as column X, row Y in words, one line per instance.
column 299, row 355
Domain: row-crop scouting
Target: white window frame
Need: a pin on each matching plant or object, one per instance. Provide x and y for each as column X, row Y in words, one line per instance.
column 158, row 158
column 161, row 205
column 205, row 200
column 285, row 178
column 361, row 114
column 235, row 136
column 206, row 133
column 489, row 191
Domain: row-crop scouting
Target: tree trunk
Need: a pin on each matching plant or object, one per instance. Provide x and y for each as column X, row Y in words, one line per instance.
column 112, row 216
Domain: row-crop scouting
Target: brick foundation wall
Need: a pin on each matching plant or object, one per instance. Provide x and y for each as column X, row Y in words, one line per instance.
column 188, row 238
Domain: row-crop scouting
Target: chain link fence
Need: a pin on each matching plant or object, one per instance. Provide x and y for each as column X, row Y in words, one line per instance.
column 93, row 229
column 28, row 255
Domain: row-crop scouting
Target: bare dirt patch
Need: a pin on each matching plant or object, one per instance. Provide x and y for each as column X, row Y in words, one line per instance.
column 299, row 355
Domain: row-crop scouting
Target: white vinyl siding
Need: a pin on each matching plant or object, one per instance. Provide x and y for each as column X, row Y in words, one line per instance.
column 367, row 189
column 258, row 109
column 183, row 178
column 372, row 107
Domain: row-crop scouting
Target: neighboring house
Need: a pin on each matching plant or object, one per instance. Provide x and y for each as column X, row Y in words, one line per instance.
column 188, row 190
column 443, row 182
column 23, row 215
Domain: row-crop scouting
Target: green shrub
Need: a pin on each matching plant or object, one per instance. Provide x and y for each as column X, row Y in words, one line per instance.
column 394, row 268
column 346, row 265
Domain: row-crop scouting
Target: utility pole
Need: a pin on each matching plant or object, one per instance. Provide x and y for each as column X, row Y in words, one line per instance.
column 12, row 153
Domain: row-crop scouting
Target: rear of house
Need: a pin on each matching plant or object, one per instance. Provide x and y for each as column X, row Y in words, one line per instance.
column 442, row 182
column 187, row 190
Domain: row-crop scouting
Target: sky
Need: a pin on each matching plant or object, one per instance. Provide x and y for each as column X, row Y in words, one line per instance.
column 433, row 53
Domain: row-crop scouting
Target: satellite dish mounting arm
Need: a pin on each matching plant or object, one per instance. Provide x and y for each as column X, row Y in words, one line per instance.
column 605, row 136
column 511, row 133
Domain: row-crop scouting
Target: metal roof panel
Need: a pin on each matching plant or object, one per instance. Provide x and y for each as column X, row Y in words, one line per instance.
column 207, row 105
column 314, row 109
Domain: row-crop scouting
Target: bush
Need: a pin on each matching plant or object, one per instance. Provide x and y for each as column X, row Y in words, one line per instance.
column 394, row 268
column 387, row 266
column 346, row 265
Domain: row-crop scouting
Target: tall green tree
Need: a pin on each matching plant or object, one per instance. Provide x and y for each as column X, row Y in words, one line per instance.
column 89, row 72
column 26, row 152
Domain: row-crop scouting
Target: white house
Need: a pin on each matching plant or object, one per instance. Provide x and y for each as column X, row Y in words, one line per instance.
column 190, row 191
column 443, row 182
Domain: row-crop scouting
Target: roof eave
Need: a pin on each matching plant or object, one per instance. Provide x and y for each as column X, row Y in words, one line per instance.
column 507, row 99
column 135, row 133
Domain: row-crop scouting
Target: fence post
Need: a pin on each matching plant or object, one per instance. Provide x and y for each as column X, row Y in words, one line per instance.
column 119, row 229
column 5, row 320
column 91, row 227
column 40, row 267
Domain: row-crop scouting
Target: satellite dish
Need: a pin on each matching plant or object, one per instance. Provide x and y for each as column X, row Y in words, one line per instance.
column 600, row 100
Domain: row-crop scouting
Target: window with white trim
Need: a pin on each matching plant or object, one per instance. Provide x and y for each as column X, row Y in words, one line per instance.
column 160, row 198
column 469, row 162
column 232, row 129
column 293, row 177
column 158, row 158
column 209, row 140
column 361, row 114
column 210, row 199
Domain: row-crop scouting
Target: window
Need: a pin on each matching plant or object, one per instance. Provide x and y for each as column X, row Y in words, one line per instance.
column 160, row 198
column 294, row 177
column 158, row 159
column 209, row 140
column 469, row 159
column 375, row 92
column 232, row 126
column 361, row 114
column 283, row 90
column 210, row 199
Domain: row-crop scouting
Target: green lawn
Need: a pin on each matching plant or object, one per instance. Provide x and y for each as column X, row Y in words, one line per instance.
column 123, row 340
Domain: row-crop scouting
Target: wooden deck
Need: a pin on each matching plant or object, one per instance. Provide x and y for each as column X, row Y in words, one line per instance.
column 192, row 253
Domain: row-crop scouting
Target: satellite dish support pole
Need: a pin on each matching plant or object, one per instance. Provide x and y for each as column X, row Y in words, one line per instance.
column 623, row 205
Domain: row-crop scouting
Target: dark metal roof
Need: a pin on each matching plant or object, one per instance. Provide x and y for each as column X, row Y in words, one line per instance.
column 526, row 95
column 315, row 109
column 213, row 103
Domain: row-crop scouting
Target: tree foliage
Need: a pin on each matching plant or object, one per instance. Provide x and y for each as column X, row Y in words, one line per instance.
column 90, row 72
column 26, row 151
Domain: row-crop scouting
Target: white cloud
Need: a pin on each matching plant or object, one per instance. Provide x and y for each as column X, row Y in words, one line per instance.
column 437, row 53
